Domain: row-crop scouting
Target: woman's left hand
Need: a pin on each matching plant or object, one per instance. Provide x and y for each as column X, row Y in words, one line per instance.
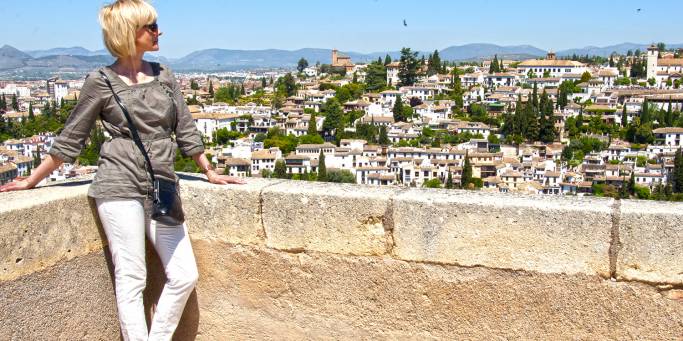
column 215, row 178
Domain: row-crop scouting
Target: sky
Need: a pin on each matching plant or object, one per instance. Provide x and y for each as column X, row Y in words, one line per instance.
column 353, row 25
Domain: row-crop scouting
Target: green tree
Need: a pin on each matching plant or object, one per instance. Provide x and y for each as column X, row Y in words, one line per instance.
column 280, row 170
column 407, row 72
column 15, row 103
column 495, row 67
column 466, row 177
column 91, row 153
column 322, row 170
column 434, row 66
column 383, row 136
column 624, row 116
column 194, row 85
column 585, row 77
column 312, row 129
column 37, row 159
column 677, row 176
column 398, row 110
column 3, row 103
column 211, row 92
column 376, row 77
column 286, row 85
column 449, row 181
column 302, row 64
column 387, row 60
column 333, row 116
column 433, row 183
column 31, row 115
column 341, row 176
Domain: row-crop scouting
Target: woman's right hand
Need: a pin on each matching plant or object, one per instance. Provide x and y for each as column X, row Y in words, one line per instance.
column 15, row 186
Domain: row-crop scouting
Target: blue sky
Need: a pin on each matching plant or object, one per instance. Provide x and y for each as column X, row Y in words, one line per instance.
column 353, row 25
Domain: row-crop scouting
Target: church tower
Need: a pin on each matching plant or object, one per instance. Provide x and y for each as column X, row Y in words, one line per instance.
column 652, row 55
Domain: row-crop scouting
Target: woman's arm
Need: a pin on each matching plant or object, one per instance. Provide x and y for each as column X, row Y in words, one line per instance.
column 214, row 178
column 47, row 166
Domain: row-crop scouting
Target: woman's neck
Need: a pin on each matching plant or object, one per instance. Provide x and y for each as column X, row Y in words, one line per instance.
column 130, row 66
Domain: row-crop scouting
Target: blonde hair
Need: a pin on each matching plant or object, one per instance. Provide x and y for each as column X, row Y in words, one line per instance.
column 120, row 21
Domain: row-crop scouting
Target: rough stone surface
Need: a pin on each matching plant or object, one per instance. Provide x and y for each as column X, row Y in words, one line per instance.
column 42, row 227
column 230, row 213
column 651, row 235
column 538, row 233
column 73, row 300
column 254, row 293
column 345, row 219
column 260, row 285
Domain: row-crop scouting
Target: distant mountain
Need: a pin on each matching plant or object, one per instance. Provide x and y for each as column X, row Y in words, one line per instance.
column 481, row 51
column 11, row 58
column 608, row 50
column 67, row 51
column 216, row 59
column 78, row 60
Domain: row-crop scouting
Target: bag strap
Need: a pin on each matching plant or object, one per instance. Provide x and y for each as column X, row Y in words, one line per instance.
column 131, row 127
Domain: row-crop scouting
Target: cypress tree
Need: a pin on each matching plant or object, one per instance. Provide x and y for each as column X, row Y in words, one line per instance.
column 449, row 180
column 15, row 103
column 645, row 113
column 3, row 102
column 211, row 92
column 398, row 110
column 624, row 117
column 280, row 170
column 31, row 115
column 383, row 136
column 322, row 170
column 632, row 183
column 534, row 96
column 533, row 128
column 37, row 159
column 387, row 60
column 466, row 172
column 677, row 178
column 312, row 129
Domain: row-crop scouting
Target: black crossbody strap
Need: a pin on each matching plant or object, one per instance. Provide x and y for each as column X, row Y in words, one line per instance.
column 131, row 127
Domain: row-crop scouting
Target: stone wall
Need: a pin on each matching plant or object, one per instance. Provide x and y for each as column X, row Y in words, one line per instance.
column 298, row 260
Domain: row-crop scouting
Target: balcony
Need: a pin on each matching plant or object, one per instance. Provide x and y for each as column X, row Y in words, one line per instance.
column 292, row 260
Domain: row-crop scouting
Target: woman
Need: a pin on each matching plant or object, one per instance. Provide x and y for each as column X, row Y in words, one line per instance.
column 121, row 187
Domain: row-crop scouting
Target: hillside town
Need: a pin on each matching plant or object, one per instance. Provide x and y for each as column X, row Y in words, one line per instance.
column 570, row 125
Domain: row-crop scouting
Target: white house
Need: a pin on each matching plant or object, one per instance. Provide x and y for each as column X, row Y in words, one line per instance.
column 551, row 66
column 669, row 136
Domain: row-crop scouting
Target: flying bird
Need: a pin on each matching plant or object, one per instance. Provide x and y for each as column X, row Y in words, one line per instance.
column 405, row 23
column 639, row 9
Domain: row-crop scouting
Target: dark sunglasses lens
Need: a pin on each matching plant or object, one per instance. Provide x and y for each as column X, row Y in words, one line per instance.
column 153, row 27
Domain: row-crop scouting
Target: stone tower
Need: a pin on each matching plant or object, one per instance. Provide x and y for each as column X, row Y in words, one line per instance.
column 652, row 55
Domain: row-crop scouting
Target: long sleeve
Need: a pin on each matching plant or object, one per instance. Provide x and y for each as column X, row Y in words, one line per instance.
column 68, row 144
column 187, row 135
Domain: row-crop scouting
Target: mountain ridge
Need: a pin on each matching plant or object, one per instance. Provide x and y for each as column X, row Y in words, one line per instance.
column 218, row 59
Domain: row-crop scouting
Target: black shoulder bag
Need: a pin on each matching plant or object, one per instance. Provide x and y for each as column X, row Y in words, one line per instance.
column 166, row 205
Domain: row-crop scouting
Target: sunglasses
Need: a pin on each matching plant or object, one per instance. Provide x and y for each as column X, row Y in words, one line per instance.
column 153, row 27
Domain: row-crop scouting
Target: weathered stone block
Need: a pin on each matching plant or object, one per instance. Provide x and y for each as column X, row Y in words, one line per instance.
column 335, row 218
column 536, row 233
column 229, row 213
column 44, row 226
column 651, row 235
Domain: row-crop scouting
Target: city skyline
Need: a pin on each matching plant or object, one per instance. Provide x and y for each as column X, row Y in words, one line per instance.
column 360, row 26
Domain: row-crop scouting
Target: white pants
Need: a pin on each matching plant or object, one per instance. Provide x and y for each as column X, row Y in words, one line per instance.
column 125, row 225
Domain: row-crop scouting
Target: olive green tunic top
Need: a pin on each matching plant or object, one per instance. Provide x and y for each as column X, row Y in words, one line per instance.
column 163, row 121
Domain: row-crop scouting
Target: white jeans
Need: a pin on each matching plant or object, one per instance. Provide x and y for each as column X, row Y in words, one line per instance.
column 125, row 225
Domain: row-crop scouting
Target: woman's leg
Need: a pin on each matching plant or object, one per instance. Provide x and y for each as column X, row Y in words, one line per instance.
column 172, row 244
column 123, row 221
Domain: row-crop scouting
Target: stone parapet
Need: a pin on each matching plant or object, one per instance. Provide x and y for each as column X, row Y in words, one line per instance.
column 301, row 260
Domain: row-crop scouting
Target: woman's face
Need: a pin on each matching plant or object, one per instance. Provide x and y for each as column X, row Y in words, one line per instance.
column 147, row 38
